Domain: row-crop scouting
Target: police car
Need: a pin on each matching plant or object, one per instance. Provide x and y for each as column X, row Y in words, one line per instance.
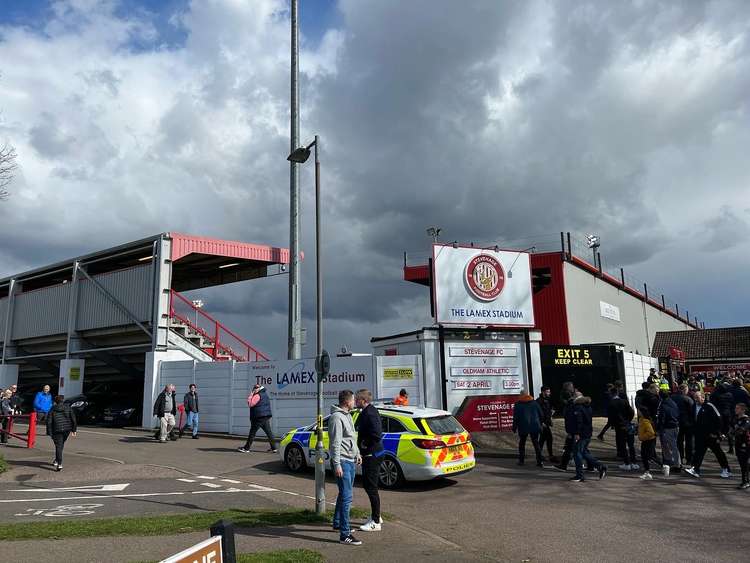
column 420, row 444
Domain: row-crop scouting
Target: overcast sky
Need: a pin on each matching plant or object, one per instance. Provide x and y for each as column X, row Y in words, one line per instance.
column 497, row 121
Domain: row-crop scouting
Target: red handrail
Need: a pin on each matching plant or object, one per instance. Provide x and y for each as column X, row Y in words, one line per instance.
column 219, row 348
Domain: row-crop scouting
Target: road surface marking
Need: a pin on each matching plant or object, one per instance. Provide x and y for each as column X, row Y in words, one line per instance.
column 212, row 485
column 87, row 488
column 290, row 493
column 187, row 480
column 205, row 477
column 261, row 488
column 232, row 481
column 65, row 510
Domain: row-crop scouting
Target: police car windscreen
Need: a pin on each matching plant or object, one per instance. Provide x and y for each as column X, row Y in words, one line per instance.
column 444, row 424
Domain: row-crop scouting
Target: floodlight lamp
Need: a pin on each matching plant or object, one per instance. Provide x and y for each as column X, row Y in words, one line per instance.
column 299, row 155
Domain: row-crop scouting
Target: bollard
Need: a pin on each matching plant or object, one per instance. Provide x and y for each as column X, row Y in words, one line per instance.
column 31, row 438
column 226, row 531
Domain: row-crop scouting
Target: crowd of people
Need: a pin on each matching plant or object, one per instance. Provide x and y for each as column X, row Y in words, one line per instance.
column 685, row 418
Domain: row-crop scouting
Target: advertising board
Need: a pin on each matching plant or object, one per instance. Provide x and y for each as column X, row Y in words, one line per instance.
column 482, row 287
column 487, row 414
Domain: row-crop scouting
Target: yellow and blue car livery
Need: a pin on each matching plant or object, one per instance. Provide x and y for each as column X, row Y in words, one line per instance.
column 420, row 444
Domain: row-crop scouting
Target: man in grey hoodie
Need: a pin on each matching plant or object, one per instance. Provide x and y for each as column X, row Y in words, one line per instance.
column 344, row 459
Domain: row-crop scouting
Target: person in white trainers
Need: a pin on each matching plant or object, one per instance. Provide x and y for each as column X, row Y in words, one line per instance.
column 370, row 443
column 707, row 432
column 647, row 436
column 344, row 459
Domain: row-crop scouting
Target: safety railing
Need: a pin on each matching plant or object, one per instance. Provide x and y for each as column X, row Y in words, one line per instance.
column 217, row 340
column 6, row 428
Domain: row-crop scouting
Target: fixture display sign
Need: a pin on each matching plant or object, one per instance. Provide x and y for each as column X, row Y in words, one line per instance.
column 609, row 311
column 474, row 286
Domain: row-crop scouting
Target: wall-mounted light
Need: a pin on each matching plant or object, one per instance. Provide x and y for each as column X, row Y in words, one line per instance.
column 228, row 265
column 145, row 258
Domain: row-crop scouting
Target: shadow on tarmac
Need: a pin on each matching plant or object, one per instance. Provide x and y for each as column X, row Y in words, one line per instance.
column 287, row 533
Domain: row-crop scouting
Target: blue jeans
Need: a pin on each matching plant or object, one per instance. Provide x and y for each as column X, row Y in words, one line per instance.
column 344, row 499
column 192, row 422
column 581, row 452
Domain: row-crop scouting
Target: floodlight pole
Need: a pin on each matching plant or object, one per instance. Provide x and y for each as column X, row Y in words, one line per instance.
column 295, row 306
column 320, row 471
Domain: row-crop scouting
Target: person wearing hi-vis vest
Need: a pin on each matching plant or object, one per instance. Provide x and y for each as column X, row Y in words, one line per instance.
column 260, row 418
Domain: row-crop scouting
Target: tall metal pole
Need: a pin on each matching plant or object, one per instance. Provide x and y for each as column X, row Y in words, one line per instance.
column 295, row 306
column 320, row 471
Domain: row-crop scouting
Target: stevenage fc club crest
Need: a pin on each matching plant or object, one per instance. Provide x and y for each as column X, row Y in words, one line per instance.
column 485, row 277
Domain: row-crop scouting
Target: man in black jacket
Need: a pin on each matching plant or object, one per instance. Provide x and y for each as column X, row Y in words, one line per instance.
column 370, row 444
column 190, row 402
column 260, row 418
column 668, row 426
column 165, row 409
column 620, row 417
column 686, row 406
column 545, row 402
column 61, row 423
column 580, row 425
column 567, row 396
column 707, row 432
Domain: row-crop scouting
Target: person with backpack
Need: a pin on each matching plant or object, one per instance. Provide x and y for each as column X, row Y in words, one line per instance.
column 545, row 403
column 620, row 417
column 583, row 429
column 647, row 436
column 527, row 421
column 742, row 442
column 686, row 406
column 707, row 433
column 668, row 426
column 260, row 418
column 61, row 423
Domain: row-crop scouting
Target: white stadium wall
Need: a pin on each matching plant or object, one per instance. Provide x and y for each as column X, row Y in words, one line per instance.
column 638, row 322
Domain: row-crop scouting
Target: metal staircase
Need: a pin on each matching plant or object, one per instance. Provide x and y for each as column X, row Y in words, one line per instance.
column 207, row 334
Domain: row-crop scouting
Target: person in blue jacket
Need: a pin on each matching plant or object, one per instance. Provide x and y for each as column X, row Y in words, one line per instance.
column 43, row 403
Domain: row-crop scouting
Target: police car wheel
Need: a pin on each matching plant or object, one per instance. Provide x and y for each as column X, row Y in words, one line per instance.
column 391, row 476
column 294, row 458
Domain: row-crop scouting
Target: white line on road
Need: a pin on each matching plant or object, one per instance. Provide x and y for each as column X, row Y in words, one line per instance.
column 212, row 485
column 187, row 480
column 232, row 481
column 88, row 488
column 205, row 477
column 133, row 495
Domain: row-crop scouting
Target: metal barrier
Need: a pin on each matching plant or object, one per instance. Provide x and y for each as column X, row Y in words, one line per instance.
column 6, row 429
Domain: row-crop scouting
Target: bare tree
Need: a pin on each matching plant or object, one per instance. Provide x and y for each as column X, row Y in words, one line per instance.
column 7, row 169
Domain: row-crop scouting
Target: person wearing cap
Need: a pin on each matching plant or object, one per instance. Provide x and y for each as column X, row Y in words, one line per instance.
column 402, row 399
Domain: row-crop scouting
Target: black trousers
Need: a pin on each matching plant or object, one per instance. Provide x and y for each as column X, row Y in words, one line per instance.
column 370, row 477
column 522, row 446
column 567, row 452
column 685, row 439
column 604, row 430
column 742, row 457
column 625, row 445
column 258, row 424
column 546, row 438
column 4, row 422
column 704, row 443
column 648, row 454
column 59, row 438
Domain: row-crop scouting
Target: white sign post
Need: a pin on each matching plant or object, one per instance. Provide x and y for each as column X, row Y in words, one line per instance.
column 474, row 286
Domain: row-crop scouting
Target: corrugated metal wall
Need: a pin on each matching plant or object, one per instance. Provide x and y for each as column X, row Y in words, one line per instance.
column 41, row 312
column 3, row 309
column 131, row 287
column 550, row 311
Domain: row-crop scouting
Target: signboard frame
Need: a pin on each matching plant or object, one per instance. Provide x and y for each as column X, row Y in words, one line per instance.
column 522, row 271
column 192, row 551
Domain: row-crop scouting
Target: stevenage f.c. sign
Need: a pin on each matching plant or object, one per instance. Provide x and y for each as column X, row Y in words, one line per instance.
column 474, row 286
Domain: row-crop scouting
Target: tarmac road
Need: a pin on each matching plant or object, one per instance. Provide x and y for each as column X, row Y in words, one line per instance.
column 497, row 512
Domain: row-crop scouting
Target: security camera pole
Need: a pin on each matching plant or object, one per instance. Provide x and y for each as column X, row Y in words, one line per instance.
column 322, row 362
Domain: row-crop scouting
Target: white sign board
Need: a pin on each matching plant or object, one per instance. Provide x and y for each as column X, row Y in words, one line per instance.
column 609, row 311
column 208, row 551
column 474, row 286
column 399, row 372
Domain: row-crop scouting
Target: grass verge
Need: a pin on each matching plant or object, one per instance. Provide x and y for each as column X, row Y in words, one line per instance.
column 154, row 525
column 163, row 525
column 279, row 556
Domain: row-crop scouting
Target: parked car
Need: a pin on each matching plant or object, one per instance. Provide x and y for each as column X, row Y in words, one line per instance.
column 420, row 444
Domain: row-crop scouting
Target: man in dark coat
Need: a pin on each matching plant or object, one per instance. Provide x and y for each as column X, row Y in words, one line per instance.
column 527, row 421
column 165, row 409
column 567, row 396
column 370, row 444
column 707, row 432
column 686, row 406
column 61, row 423
column 582, row 429
column 260, row 418
column 190, row 402
column 545, row 403
column 620, row 417
column 668, row 426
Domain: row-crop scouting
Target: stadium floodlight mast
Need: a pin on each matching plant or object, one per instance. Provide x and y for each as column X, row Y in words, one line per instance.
column 594, row 242
column 434, row 232
column 322, row 364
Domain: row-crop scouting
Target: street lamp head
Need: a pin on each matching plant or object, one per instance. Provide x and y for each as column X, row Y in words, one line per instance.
column 299, row 155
